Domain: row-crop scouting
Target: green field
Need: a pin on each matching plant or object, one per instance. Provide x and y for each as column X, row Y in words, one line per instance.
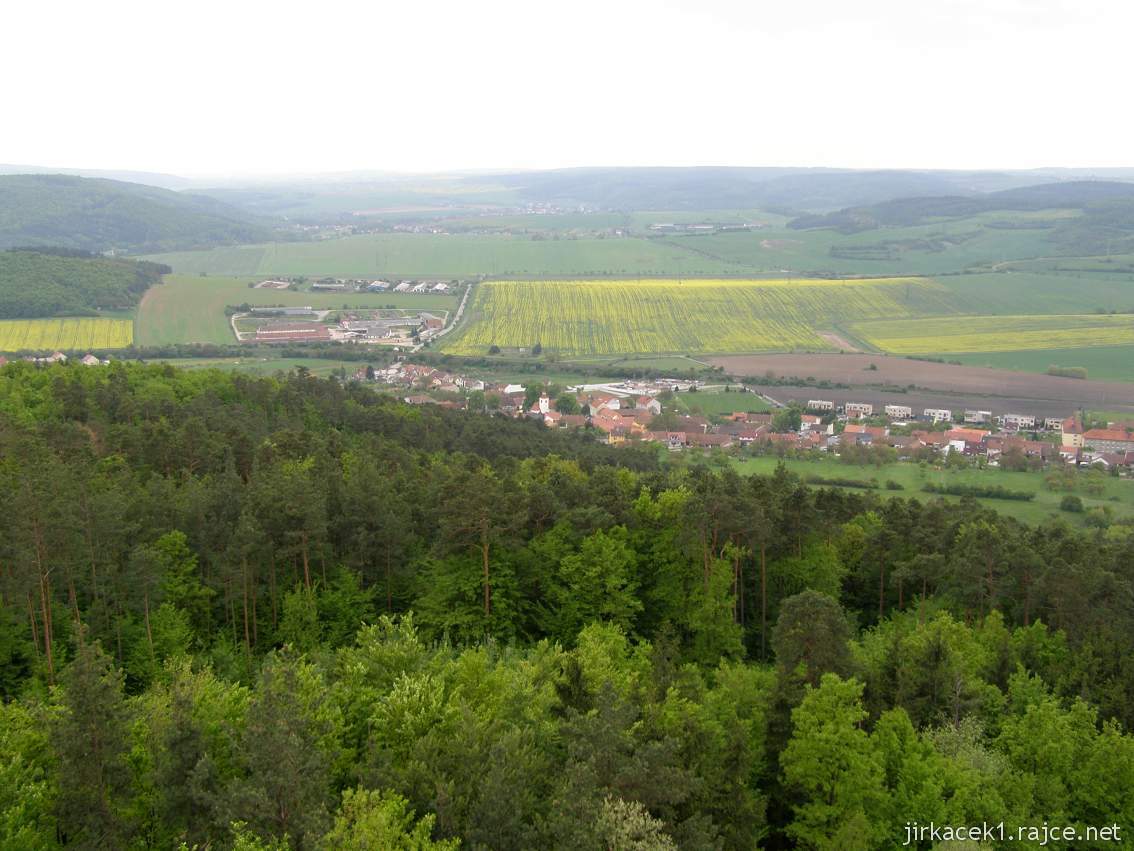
column 190, row 309
column 918, row 250
column 450, row 256
column 68, row 333
column 1107, row 363
column 711, row 404
column 266, row 366
column 943, row 335
column 664, row 316
column 1031, row 292
column 1118, row 494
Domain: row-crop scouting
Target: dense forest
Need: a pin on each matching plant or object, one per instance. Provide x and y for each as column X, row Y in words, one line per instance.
column 266, row 613
column 98, row 215
column 67, row 282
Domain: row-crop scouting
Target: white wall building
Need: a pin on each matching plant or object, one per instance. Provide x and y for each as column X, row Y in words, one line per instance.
column 899, row 412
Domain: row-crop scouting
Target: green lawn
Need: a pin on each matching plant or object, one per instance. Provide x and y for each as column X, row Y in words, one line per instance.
column 450, row 256
column 911, row 477
column 190, row 309
column 710, row 404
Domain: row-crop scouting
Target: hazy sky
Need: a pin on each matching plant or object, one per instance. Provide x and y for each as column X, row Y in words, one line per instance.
column 243, row 86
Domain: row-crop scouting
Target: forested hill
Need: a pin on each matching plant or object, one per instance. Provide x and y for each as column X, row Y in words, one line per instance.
column 62, row 282
column 207, row 586
column 99, row 215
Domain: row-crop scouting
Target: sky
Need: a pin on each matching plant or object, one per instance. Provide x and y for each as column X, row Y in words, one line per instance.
column 244, row 87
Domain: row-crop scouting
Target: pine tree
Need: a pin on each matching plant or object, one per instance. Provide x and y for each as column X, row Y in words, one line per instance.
column 90, row 740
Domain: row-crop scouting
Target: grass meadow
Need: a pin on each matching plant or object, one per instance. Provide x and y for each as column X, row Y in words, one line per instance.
column 1118, row 494
column 1106, row 363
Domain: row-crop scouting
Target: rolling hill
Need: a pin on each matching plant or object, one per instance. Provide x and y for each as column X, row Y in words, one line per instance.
column 905, row 212
column 67, row 283
column 102, row 215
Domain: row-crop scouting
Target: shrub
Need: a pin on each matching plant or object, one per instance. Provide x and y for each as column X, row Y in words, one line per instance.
column 1071, row 503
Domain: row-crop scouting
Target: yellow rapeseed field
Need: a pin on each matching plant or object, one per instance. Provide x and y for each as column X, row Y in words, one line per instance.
column 996, row 333
column 649, row 315
column 69, row 333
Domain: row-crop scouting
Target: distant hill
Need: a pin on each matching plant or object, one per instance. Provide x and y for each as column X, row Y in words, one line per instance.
column 101, row 215
column 789, row 190
column 63, row 282
column 904, row 212
column 729, row 188
column 149, row 178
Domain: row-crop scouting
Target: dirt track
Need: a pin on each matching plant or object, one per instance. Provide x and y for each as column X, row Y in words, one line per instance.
column 972, row 382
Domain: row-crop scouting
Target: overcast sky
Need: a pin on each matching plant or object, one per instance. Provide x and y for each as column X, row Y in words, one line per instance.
column 242, row 87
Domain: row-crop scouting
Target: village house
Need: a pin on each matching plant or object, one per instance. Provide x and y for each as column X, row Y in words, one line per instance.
column 857, row 410
column 1108, row 440
column 708, row 441
column 995, row 446
column 862, row 434
column 935, row 439
column 1072, row 432
column 811, row 422
column 649, row 403
column 899, row 412
column 1123, row 461
column 967, row 440
column 938, row 415
column 1018, row 422
column 601, row 401
column 820, row 405
column 55, row 357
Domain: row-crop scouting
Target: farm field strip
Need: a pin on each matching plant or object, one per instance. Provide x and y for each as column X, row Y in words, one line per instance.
column 449, row 256
column 68, row 333
column 996, row 333
column 703, row 315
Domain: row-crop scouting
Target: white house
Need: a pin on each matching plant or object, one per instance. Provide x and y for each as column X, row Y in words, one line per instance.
column 1015, row 422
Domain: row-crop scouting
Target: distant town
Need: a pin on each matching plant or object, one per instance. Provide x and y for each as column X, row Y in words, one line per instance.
column 634, row 411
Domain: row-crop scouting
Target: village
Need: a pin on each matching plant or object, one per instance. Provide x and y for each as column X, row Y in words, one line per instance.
column 642, row 412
